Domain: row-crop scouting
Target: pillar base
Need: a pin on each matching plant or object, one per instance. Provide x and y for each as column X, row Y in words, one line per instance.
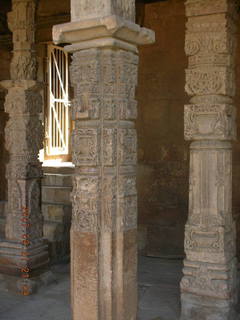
column 206, row 308
column 22, row 273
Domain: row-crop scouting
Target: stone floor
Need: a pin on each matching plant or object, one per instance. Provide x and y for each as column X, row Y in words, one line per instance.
column 158, row 295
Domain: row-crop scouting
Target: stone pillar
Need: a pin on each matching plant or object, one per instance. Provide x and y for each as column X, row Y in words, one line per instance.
column 104, row 66
column 23, row 254
column 208, row 287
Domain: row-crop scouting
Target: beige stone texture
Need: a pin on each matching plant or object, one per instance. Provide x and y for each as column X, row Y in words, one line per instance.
column 104, row 151
column 210, row 266
column 23, row 140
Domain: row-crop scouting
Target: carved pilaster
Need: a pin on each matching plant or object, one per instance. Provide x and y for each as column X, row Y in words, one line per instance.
column 23, row 138
column 209, row 285
column 104, row 144
column 104, row 188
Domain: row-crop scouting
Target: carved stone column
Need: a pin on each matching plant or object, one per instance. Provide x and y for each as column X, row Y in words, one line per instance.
column 23, row 254
column 104, row 143
column 208, row 288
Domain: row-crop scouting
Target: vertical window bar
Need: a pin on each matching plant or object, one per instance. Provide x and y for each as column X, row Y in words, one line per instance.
column 58, row 109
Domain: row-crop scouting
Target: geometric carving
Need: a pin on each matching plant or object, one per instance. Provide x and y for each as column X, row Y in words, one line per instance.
column 109, row 146
column 86, row 146
column 128, row 109
column 127, row 147
column 208, row 280
column 85, row 203
column 110, row 108
column 109, row 201
column 86, row 106
column 128, row 211
column 127, row 185
column 104, row 85
column 212, row 245
column 128, row 200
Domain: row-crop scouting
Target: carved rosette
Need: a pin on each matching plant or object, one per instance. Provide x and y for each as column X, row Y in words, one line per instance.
column 209, row 121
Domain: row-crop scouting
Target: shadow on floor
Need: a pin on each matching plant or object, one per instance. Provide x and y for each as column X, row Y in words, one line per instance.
column 158, row 294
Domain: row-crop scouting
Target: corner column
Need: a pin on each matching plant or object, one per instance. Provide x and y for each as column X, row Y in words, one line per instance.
column 23, row 254
column 104, row 225
column 209, row 284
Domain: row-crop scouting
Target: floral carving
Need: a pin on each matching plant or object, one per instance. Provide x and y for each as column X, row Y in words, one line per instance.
column 85, row 203
column 104, row 85
column 209, row 121
column 209, row 81
column 24, row 131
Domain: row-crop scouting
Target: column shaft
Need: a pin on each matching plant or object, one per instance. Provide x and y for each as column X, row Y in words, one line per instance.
column 24, row 247
column 103, row 235
column 209, row 285
column 104, row 147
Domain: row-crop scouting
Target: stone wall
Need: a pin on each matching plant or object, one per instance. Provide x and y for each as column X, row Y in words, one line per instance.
column 163, row 154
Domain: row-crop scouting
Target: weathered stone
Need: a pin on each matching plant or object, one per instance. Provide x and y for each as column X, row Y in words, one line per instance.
column 53, row 194
column 209, row 285
column 24, row 251
column 104, row 197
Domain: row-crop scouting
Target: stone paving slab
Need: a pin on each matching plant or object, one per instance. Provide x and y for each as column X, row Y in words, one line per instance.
column 158, row 295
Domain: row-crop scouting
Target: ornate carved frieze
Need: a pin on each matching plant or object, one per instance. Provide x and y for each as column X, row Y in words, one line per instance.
column 208, row 44
column 216, row 122
column 209, row 121
column 210, row 81
column 102, row 138
column 86, row 146
column 209, row 280
column 86, row 204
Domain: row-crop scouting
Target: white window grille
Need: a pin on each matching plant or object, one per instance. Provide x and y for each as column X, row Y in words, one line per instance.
column 58, row 124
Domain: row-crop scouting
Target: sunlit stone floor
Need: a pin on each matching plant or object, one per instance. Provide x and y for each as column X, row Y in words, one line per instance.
column 158, row 295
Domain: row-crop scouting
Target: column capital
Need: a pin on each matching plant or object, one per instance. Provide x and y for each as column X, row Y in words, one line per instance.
column 102, row 32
